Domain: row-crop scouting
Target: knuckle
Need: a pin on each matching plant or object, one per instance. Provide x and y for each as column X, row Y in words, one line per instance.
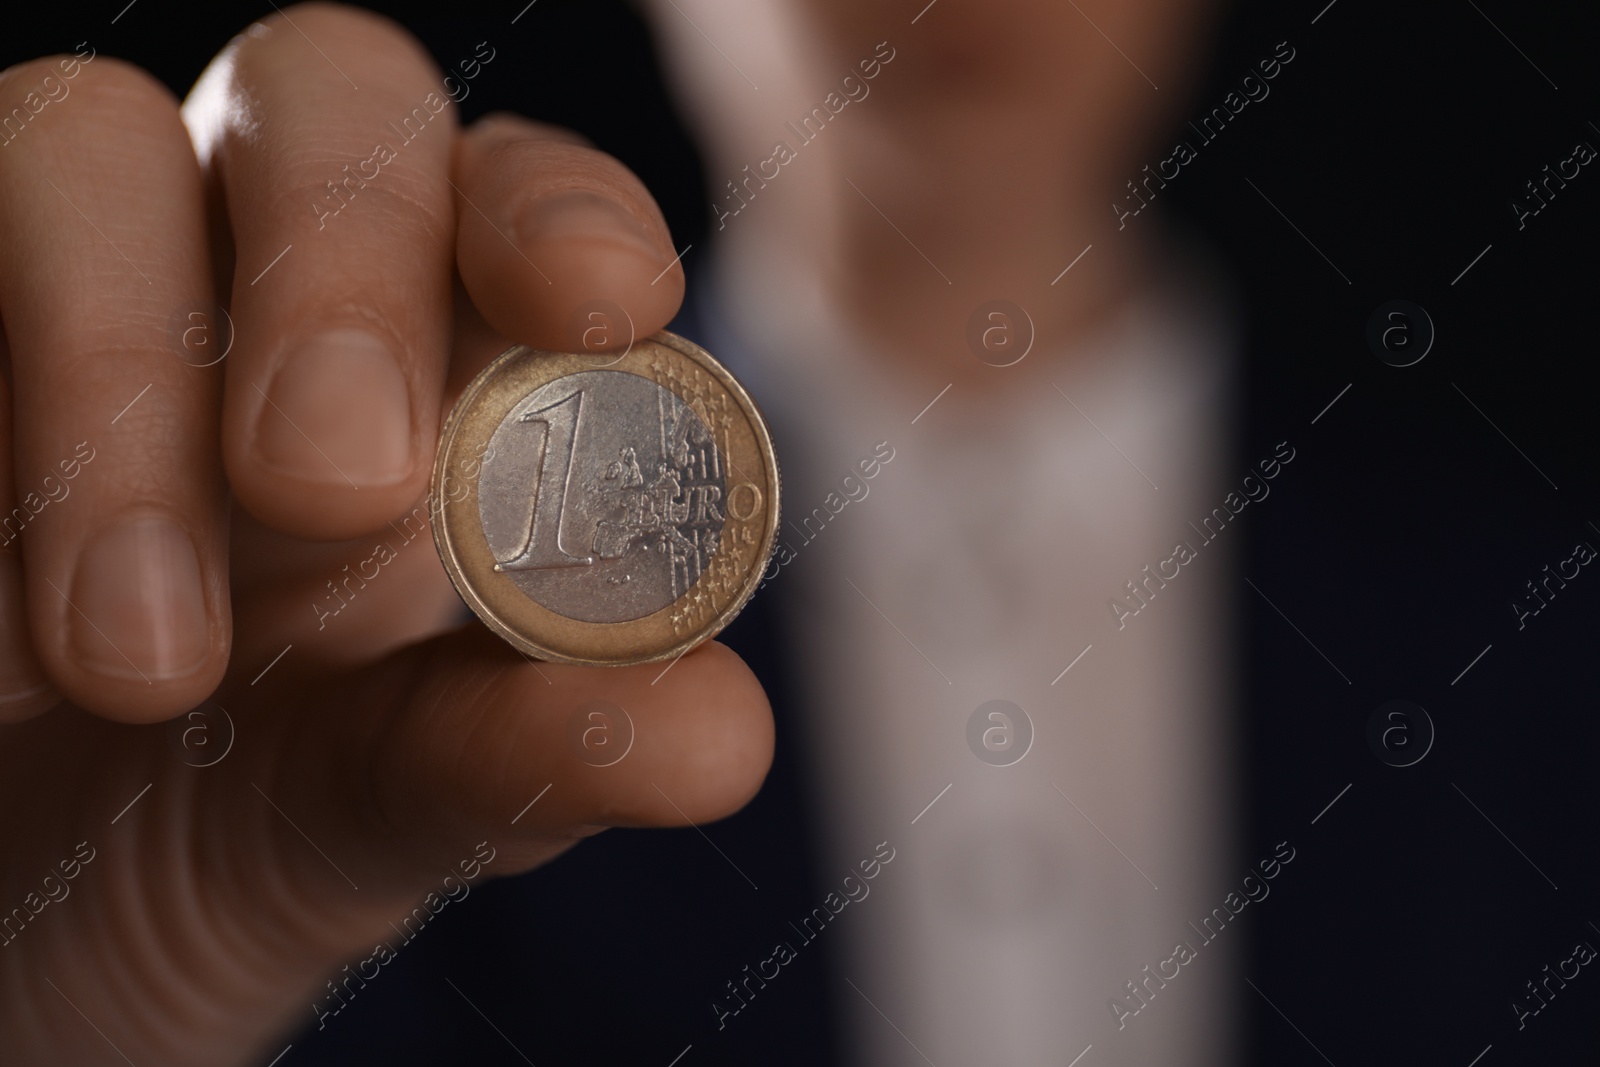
column 121, row 85
column 103, row 336
column 346, row 30
column 509, row 126
column 404, row 205
column 20, row 78
column 557, row 167
column 104, row 83
column 68, row 99
column 17, row 79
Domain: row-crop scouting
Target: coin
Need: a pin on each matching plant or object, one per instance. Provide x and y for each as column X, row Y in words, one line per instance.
column 605, row 514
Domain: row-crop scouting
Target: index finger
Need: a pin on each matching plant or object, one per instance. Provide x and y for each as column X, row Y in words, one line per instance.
column 552, row 229
column 330, row 136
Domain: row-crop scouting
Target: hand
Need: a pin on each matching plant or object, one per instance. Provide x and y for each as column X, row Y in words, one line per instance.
column 177, row 914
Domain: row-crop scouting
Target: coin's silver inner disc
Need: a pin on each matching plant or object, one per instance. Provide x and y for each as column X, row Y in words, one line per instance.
column 602, row 496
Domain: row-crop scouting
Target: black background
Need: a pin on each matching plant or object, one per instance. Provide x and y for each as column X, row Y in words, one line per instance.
column 1396, row 141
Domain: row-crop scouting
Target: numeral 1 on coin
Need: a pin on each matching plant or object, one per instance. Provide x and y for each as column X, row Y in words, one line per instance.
column 543, row 546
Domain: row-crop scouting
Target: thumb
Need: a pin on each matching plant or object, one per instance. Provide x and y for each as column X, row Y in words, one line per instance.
column 459, row 759
column 346, row 810
column 408, row 764
column 490, row 745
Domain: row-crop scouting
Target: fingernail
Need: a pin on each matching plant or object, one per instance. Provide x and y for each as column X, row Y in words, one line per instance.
column 576, row 216
column 338, row 412
column 138, row 603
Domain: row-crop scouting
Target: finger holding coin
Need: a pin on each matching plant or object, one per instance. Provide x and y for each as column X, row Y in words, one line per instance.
column 483, row 738
column 553, row 231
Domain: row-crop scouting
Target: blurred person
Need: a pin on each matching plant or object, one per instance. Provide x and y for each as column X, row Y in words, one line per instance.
column 974, row 167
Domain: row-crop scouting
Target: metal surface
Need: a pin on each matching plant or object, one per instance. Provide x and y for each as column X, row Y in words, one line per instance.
column 605, row 516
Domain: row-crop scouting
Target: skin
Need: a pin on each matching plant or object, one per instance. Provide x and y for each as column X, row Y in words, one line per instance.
column 206, row 923
column 387, row 743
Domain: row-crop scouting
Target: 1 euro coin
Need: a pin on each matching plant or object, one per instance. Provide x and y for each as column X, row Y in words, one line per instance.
column 606, row 515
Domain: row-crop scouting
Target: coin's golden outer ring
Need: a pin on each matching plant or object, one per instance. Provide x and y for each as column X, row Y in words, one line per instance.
column 721, row 591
